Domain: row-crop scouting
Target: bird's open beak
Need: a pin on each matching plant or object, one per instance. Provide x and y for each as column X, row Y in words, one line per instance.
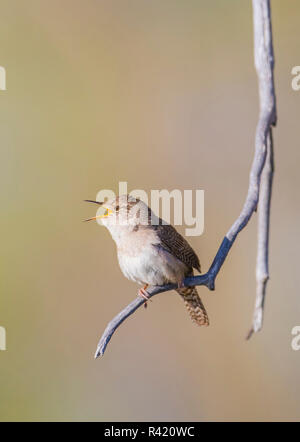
column 94, row 217
column 95, row 202
column 107, row 212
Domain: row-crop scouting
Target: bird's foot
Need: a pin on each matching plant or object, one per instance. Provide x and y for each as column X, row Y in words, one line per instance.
column 180, row 283
column 143, row 294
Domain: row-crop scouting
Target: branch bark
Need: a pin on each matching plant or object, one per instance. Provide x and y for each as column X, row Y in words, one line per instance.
column 262, row 260
column 264, row 63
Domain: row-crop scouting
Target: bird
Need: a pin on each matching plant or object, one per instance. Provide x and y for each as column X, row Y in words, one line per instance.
column 150, row 251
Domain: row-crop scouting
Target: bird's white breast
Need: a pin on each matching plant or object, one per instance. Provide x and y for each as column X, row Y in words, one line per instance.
column 142, row 259
column 151, row 265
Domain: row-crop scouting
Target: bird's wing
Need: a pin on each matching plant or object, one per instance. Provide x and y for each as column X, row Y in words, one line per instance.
column 175, row 244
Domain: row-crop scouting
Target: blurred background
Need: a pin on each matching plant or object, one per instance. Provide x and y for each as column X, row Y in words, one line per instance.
column 161, row 94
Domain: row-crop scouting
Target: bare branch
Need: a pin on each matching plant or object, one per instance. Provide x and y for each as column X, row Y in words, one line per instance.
column 262, row 260
column 134, row 305
column 264, row 62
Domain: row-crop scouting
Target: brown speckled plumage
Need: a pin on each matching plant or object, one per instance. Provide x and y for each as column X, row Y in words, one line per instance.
column 175, row 244
column 153, row 253
column 194, row 305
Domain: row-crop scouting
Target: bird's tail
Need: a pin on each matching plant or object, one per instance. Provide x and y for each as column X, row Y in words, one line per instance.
column 194, row 305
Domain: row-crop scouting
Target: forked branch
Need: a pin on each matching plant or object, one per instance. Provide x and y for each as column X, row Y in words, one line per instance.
column 264, row 63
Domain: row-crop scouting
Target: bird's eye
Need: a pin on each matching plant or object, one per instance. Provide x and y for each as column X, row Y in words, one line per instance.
column 117, row 208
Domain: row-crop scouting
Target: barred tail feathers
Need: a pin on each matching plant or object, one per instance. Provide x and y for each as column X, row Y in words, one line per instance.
column 194, row 305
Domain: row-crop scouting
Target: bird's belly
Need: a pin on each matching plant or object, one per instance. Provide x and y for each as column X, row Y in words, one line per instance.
column 152, row 267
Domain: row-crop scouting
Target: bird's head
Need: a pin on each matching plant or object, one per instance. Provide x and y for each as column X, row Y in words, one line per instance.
column 122, row 214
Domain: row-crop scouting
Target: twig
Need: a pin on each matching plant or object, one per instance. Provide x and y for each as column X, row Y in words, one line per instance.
column 134, row 305
column 262, row 260
column 264, row 62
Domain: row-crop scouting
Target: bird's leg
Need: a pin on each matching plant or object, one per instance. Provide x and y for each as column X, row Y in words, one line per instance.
column 142, row 292
column 180, row 283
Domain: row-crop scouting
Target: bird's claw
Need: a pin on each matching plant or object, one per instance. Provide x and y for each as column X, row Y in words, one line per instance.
column 143, row 294
column 181, row 283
